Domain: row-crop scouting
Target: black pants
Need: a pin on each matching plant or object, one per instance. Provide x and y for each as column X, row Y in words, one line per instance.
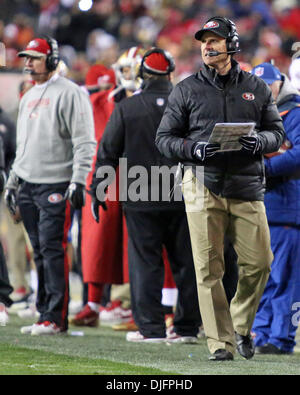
column 46, row 217
column 148, row 232
column 5, row 287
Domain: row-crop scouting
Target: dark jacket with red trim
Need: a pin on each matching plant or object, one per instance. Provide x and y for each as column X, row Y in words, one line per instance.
column 283, row 170
column 197, row 103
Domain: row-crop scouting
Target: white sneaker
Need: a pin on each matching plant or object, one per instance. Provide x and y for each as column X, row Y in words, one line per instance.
column 46, row 328
column 26, row 330
column 173, row 337
column 114, row 314
column 3, row 315
column 137, row 337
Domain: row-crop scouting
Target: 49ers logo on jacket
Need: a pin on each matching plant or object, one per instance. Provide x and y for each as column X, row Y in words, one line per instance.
column 248, row 96
column 55, row 198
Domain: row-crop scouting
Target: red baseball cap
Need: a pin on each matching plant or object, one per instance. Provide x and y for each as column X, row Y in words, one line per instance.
column 36, row 48
column 99, row 74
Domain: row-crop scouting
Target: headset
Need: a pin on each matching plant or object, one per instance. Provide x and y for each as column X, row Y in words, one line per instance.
column 52, row 59
column 169, row 58
column 232, row 41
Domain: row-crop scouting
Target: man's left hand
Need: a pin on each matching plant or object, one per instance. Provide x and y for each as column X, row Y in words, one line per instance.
column 251, row 144
column 76, row 195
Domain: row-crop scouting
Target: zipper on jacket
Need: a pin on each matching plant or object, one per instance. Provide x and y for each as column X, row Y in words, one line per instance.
column 225, row 105
column 225, row 90
column 224, row 120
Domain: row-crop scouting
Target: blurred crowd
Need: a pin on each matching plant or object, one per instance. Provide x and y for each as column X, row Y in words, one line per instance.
column 106, row 28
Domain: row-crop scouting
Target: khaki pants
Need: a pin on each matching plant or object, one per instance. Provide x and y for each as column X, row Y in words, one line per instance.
column 210, row 217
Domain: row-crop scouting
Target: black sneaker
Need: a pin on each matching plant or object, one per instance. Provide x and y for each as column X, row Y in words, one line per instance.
column 269, row 348
column 221, row 355
column 245, row 345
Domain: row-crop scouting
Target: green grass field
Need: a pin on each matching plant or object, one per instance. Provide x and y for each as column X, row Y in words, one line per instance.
column 102, row 351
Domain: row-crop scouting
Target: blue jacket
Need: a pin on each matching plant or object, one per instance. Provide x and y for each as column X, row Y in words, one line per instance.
column 282, row 200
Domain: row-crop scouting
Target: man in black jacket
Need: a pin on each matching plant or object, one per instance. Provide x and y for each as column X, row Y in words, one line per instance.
column 230, row 185
column 153, row 219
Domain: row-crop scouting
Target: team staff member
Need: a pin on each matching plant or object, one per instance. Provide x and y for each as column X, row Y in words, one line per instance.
column 233, row 189
column 55, row 147
column 131, row 132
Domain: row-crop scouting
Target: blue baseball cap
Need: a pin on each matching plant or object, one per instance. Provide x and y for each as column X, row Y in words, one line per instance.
column 267, row 72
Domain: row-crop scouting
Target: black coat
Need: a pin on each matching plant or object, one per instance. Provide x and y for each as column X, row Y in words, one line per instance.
column 130, row 133
column 200, row 101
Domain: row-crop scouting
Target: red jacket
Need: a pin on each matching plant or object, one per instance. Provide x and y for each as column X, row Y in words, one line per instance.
column 102, row 243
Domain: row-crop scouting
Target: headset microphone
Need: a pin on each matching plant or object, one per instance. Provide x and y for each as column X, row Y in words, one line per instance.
column 216, row 53
column 32, row 72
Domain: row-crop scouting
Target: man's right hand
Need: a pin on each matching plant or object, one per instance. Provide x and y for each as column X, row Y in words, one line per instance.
column 11, row 200
column 95, row 208
column 202, row 150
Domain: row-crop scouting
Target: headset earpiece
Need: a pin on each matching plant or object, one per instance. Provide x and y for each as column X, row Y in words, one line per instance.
column 232, row 41
column 52, row 59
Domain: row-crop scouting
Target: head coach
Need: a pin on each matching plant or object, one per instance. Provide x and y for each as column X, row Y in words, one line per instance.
column 234, row 182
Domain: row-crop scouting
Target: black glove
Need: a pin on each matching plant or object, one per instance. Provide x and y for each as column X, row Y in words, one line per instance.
column 76, row 195
column 251, row 144
column 96, row 203
column 202, row 150
column 95, row 208
column 10, row 200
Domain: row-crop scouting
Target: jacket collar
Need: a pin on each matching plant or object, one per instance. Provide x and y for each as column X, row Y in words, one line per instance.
column 211, row 75
column 157, row 85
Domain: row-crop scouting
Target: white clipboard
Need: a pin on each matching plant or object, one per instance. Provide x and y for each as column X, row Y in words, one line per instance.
column 228, row 134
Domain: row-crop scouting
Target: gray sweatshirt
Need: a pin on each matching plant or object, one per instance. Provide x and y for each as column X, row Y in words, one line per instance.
column 55, row 134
